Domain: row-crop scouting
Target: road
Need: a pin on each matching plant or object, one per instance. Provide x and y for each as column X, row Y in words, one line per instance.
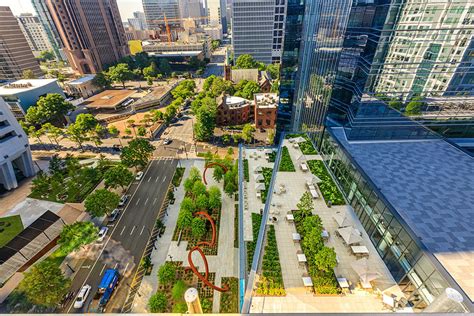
column 216, row 66
column 128, row 236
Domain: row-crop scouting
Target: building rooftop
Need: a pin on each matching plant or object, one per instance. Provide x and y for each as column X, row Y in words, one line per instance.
column 108, row 99
column 23, row 85
column 233, row 102
column 266, row 100
column 244, row 74
column 430, row 183
column 81, row 80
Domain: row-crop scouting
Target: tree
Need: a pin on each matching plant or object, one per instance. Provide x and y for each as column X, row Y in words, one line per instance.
column 312, row 242
column 28, row 74
column 305, row 205
column 86, row 122
column 246, row 61
column 271, row 136
column 395, row 104
column 414, row 106
column 167, row 273
column 185, row 219
column 248, row 132
column 206, row 120
column 274, row 70
column 226, row 138
column 44, row 284
column 214, row 198
column 164, row 66
column 170, row 113
column 141, row 131
column 101, row 202
column 52, row 132
column 137, row 153
column 184, row 90
column 248, row 89
column 50, row 108
column 311, row 222
column 325, row 259
column 157, row 115
column 46, row 55
column 198, row 228
column 218, row 173
column 158, row 303
column 187, row 205
column 118, row 176
column 113, row 131
column 128, row 131
column 75, row 235
column 198, row 188
column 150, row 71
column 215, row 44
column 57, row 74
column 120, row 73
column 206, row 86
column 77, row 135
column 101, row 80
column 202, row 202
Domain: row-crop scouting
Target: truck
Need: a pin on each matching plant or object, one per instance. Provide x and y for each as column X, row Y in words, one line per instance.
column 104, row 292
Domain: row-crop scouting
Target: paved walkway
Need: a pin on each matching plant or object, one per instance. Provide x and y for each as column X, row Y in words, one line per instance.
column 225, row 264
column 298, row 299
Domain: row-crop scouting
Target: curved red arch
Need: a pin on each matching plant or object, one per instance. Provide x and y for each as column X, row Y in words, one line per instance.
column 211, row 165
column 205, row 278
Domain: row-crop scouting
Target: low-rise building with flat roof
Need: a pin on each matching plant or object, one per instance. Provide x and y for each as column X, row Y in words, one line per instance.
column 82, row 87
column 22, row 94
column 109, row 100
column 265, row 110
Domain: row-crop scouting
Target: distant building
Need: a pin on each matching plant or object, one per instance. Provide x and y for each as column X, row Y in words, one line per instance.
column 132, row 34
column 15, row 160
column 22, row 94
column 188, row 45
column 46, row 20
column 15, row 53
column 237, row 75
column 82, row 88
column 34, row 33
column 214, row 31
column 138, row 21
column 92, row 33
column 157, row 10
column 109, row 100
column 257, row 29
column 191, row 9
column 262, row 111
column 216, row 13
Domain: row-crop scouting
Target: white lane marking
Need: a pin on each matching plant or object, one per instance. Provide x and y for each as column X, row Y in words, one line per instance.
column 122, row 230
column 141, row 232
column 110, row 236
column 154, row 201
column 133, row 228
column 149, row 179
column 115, row 267
column 146, row 201
column 157, row 178
column 86, row 267
column 102, row 269
column 126, row 267
column 164, row 179
column 138, row 201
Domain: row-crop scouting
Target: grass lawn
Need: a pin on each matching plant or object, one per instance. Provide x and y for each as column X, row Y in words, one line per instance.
column 9, row 227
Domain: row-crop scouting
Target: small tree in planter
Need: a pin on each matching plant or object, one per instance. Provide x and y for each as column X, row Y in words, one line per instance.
column 325, row 259
column 146, row 265
column 198, row 228
column 305, row 205
column 167, row 274
column 158, row 303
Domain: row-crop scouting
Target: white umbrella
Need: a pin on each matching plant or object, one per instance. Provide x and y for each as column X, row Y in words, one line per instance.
column 258, row 177
column 313, row 179
column 341, row 219
column 299, row 139
column 350, row 235
column 268, row 151
column 259, row 186
column 362, row 268
column 257, row 169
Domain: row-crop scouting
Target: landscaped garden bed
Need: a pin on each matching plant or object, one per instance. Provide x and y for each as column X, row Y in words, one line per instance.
column 256, row 221
column 246, row 170
column 321, row 259
column 178, row 176
column 306, row 147
column 236, row 226
column 271, row 282
column 267, row 177
column 9, row 227
column 327, row 186
column 230, row 299
column 286, row 164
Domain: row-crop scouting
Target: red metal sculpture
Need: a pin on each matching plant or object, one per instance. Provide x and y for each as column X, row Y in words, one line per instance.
column 212, row 164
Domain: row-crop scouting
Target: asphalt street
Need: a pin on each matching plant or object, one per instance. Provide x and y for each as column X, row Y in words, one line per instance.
column 127, row 237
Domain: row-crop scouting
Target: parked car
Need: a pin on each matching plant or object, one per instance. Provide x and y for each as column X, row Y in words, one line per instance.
column 139, row 176
column 82, row 296
column 113, row 216
column 102, row 233
column 123, row 200
column 167, row 141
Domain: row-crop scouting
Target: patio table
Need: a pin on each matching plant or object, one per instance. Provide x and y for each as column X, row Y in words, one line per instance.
column 343, row 283
column 296, row 237
column 301, row 257
column 304, row 167
column 360, row 250
column 314, row 193
column 290, row 217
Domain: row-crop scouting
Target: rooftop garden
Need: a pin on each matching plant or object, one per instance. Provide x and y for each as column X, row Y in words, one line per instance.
column 306, row 147
column 178, row 176
column 230, row 299
column 256, row 221
column 267, row 177
column 271, row 282
column 246, row 170
column 286, row 164
column 327, row 186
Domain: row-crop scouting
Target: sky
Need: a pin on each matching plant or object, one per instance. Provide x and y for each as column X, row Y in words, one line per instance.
column 126, row 7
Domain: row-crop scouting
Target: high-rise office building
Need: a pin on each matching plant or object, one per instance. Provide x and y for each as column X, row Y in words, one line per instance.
column 92, row 33
column 377, row 85
column 138, row 22
column 257, row 29
column 46, row 20
column 34, row 33
column 15, row 53
column 191, row 9
column 216, row 11
column 157, row 10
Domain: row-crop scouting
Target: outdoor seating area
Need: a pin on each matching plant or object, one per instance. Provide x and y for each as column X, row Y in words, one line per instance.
column 360, row 273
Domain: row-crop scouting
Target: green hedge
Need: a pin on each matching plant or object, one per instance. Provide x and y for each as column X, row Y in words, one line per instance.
column 286, row 164
column 327, row 186
column 256, row 221
column 246, row 170
column 272, row 281
column 230, row 299
column 267, row 177
column 307, row 147
column 178, row 176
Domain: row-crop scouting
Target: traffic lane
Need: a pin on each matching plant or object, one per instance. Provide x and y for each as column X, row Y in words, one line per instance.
column 92, row 275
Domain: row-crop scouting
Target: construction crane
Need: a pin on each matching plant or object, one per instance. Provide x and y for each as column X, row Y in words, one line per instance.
column 166, row 20
column 168, row 32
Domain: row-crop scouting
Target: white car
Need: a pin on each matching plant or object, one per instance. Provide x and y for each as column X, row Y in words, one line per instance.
column 82, row 296
column 102, row 232
column 123, row 200
column 139, row 176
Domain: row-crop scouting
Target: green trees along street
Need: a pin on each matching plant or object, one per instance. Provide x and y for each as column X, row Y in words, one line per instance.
column 120, row 73
column 101, row 202
column 118, row 176
column 75, row 235
column 137, row 153
column 50, row 108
